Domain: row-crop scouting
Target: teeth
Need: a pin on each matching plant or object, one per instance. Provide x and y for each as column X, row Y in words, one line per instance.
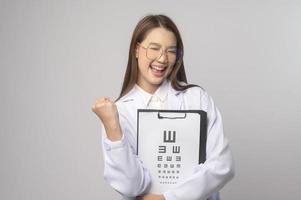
column 158, row 68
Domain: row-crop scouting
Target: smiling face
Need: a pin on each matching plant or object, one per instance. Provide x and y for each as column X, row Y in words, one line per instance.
column 153, row 71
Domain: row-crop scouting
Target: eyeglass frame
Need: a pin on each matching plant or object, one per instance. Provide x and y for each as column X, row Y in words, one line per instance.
column 165, row 51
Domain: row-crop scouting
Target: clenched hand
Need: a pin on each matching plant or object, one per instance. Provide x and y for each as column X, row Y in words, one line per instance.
column 107, row 112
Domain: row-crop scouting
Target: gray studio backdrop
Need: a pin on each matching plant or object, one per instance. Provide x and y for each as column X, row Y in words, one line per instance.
column 57, row 57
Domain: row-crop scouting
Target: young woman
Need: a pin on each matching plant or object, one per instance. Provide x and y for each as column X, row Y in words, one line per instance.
column 155, row 78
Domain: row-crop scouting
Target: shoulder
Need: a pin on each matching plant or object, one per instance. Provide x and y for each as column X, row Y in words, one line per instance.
column 197, row 96
column 128, row 102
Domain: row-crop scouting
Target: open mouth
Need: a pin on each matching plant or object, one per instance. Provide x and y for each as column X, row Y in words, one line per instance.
column 158, row 70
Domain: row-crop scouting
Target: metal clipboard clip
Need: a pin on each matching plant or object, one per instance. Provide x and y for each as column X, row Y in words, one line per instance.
column 162, row 116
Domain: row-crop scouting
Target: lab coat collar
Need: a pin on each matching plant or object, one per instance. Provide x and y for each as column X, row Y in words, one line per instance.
column 160, row 93
column 174, row 97
column 145, row 95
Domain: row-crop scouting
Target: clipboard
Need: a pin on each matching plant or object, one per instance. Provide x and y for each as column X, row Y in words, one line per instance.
column 171, row 143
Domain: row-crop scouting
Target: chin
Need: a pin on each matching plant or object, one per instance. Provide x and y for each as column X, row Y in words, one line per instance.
column 157, row 81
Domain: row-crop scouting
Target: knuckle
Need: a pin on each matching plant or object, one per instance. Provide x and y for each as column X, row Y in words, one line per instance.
column 98, row 105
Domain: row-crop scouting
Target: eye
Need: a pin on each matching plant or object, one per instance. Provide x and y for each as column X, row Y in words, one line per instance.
column 173, row 51
column 154, row 48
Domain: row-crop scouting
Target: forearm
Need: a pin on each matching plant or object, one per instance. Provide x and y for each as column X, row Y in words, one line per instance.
column 123, row 169
column 151, row 197
column 209, row 178
column 113, row 131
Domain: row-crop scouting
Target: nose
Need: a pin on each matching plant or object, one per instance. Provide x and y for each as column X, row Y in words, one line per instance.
column 163, row 57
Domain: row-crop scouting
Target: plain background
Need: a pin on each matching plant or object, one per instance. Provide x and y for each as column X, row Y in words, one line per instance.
column 58, row 57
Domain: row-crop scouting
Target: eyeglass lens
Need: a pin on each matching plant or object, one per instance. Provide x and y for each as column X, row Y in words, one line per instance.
column 154, row 52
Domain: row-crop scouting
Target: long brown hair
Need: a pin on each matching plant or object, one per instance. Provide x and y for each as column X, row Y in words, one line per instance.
column 143, row 27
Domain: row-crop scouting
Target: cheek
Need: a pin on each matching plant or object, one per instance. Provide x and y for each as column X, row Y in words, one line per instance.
column 143, row 63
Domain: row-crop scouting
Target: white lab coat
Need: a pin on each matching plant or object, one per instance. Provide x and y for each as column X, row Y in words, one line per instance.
column 124, row 171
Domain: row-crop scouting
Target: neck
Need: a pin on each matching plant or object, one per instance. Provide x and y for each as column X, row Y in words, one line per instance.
column 148, row 88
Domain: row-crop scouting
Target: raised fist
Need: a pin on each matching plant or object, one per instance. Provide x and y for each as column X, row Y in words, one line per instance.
column 107, row 112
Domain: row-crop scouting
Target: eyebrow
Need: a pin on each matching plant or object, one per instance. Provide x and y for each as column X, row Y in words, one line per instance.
column 161, row 45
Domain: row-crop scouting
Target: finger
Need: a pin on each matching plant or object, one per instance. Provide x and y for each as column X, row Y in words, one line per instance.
column 101, row 99
column 98, row 105
column 107, row 100
column 94, row 107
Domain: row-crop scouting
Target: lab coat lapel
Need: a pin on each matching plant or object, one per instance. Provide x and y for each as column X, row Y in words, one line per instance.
column 134, row 99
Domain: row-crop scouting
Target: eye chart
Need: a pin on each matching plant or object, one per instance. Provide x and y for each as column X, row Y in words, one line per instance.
column 170, row 143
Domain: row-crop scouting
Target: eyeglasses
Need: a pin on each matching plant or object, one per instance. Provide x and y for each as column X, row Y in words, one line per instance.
column 155, row 51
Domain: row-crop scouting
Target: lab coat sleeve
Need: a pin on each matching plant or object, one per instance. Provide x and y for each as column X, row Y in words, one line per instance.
column 122, row 168
column 218, row 168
